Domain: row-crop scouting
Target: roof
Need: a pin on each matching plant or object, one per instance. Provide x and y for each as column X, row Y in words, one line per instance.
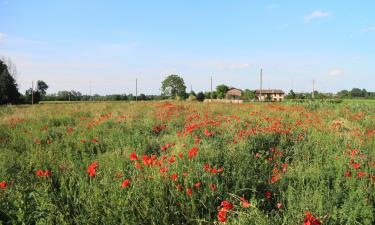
column 269, row 91
column 233, row 88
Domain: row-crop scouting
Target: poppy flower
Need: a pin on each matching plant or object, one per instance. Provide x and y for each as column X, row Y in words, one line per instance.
column 197, row 185
column 213, row 187
column 361, row 174
column 226, row 205
column 245, row 203
column 125, row 183
column 133, row 156
column 40, row 173
column 348, row 174
column 94, row 140
column 279, row 205
column 82, row 141
column 171, row 160
column 222, row 216
column 91, row 169
column 193, row 152
column 174, row 176
column 138, row 166
column 268, row 194
column 189, row 191
column 310, row 220
column 3, row 184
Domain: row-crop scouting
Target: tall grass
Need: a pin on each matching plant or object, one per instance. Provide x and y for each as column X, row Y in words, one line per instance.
column 282, row 159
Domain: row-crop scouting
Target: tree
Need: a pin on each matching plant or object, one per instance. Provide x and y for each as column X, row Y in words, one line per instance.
column 41, row 87
column 173, row 86
column 221, row 91
column 248, row 95
column 8, row 86
column 291, row 95
column 200, row 96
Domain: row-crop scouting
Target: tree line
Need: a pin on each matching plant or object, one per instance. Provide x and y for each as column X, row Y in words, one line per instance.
column 172, row 87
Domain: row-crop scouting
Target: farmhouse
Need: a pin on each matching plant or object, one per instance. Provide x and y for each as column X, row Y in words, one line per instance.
column 269, row 94
column 233, row 93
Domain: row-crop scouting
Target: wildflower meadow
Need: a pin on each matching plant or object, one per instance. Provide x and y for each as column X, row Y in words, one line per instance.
column 188, row 163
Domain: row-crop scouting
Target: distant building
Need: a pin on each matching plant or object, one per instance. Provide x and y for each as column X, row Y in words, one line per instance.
column 269, row 94
column 233, row 93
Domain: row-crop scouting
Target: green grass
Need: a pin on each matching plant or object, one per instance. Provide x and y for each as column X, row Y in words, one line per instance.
column 297, row 152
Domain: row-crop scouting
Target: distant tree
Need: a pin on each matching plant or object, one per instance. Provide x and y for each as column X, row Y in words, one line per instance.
column 41, row 87
column 173, row 86
column 343, row 94
column 221, row 91
column 207, row 95
column 356, row 92
column 248, row 95
column 8, row 86
column 291, row 95
column 200, row 96
column 142, row 97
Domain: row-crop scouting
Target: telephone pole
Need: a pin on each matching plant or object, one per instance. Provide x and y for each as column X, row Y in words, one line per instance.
column 313, row 89
column 261, row 83
column 32, row 92
column 211, row 87
column 136, row 89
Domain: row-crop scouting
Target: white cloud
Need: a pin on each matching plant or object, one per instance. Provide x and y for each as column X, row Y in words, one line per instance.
column 316, row 14
column 367, row 29
column 336, row 72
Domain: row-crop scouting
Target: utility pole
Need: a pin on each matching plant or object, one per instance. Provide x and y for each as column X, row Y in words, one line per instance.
column 211, row 87
column 313, row 89
column 136, row 89
column 32, row 92
column 261, row 83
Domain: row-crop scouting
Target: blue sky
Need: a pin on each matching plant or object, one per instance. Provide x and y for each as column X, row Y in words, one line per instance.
column 73, row 44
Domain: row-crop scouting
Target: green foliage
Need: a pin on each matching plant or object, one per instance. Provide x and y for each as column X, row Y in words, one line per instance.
column 173, row 86
column 200, row 96
column 8, row 87
column 309, row 145
column 221, row 91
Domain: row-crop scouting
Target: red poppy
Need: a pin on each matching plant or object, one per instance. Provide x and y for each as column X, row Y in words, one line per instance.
column 94, row 140
column 279, row 205
column 311, row 220
column 268, row 194
column 133, row 156
column 40, row 173
column 47, row 173
column 222, row 216
column 356, row 165
column 226, row 205
column 348, row 174
column 181, row 155
column 125, row 183
column 174, row 176
column 138, row 166
column 361, row 174
column 83, row 140
column 245, row 203
column 193, row 152
column 197, row 185
column 189, row 191
column 171, row 160
column 213, row 187
column 91, row 169
column 3, row 184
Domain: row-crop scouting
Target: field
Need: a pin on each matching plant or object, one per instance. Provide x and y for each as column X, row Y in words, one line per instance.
column 188, row 163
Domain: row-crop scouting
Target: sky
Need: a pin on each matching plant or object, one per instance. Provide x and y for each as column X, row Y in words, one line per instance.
column 75, row 44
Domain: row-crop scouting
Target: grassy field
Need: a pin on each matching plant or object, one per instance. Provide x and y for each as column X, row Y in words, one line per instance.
column 187, row 163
